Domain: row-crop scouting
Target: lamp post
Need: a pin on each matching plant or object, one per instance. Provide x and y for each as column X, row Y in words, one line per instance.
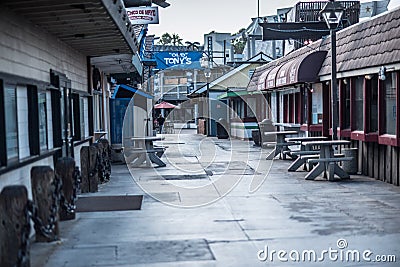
column 206, row 64
column 207, row 74
column 332, row 14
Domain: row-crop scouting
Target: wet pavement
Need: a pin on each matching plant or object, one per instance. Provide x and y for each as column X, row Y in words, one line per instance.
column 198, row 211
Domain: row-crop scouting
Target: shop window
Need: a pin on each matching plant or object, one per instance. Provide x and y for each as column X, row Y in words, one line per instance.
column 98, row 112
column 84, row 116
column 286, row 111
column 317, row 105
column 304, row 111
column 292, row 109
column 346, row 104
column 390, row 103
column 359, row 104
column 251, row 107
column 11, row 123
column 42, row 110
column 49, row 115
column 372, row 89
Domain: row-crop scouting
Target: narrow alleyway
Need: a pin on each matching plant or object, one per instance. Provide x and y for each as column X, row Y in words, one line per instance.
column 230, row 225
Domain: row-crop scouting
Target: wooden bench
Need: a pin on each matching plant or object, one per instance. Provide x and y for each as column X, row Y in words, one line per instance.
column 135, row 152
column 335, row 159
column 329, row 166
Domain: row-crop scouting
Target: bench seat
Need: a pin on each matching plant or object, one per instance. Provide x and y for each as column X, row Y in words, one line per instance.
column 336, row 159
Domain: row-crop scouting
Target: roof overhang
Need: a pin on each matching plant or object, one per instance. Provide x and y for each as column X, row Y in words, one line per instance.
column 92, row 27
column 293, row 30
column 121, row 63
column 124, row 91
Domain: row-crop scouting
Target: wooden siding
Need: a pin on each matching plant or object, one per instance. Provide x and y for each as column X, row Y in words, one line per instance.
column 27, row 51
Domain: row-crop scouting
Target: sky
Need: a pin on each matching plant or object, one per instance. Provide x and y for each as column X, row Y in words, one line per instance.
column 191, row 19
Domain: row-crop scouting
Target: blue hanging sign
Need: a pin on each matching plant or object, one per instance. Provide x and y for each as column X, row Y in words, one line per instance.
column 178, row 60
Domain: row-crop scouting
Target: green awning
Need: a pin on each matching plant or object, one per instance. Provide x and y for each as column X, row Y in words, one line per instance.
column 237, row 93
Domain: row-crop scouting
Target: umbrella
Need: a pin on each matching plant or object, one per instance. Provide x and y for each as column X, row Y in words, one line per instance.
column 164, row 105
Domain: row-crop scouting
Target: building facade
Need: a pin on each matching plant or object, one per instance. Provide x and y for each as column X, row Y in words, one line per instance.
column 368, row 63
column 53, row 99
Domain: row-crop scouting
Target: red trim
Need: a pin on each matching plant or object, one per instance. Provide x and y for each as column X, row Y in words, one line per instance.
column 304, row 127
column 358, row 135
column 389, row 140
column 315, row 128
column 345, row 133
column 371, row 137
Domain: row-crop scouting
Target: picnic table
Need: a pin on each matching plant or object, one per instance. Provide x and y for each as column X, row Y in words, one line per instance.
column 305, row 152
column 144, row 150
column 327, row 162
column 281, row 145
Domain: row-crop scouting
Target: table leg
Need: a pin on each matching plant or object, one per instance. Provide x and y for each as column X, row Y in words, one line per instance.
column 139, row 161
column 272, row 154
column 296, row 164
column 316, row 171
column 340, row 172
column 153, row 157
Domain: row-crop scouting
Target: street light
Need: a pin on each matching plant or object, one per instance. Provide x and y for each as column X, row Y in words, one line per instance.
column 332, row 14
column 207, row 74
column 205, row 63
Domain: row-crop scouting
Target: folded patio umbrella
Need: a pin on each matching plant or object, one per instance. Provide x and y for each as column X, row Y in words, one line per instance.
column 164, row 105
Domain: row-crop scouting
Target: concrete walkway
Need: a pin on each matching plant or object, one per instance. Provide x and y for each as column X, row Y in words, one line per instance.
column 198, row 211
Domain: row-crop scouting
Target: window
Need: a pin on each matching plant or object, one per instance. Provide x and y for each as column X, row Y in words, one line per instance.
column 372, row 89
column 98, row 112
column 305, row 106
column 11, row 123
column 359, row 104
column 251, row 107
column 42, row 108
column 84, row 116
column 317, row 104
column 390, row 103
column 346, row 104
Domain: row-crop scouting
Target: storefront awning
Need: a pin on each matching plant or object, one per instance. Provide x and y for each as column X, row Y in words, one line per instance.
column 302, row 69
column 237, row 93
column 262, row 80
column 125, row 91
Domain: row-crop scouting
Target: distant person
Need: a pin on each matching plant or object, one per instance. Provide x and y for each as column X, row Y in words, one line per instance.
column 160, row 121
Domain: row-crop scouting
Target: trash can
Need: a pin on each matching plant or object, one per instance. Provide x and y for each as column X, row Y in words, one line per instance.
column 255, row 135
column 351, row 166
column 221, row 129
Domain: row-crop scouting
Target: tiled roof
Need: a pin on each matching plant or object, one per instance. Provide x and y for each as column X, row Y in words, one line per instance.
column 371, row 43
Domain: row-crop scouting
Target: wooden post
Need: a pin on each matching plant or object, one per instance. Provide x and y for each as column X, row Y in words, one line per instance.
column 65, row 170
column 99, row 148
column 42, row 179
column 85, row 169
column 13, row 200
column 107, row 157
column 90, row 178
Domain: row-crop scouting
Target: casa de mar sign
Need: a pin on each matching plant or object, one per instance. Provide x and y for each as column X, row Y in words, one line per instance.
column 143, row 15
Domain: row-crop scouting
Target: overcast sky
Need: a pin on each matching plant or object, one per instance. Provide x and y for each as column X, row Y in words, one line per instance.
column 191, row 19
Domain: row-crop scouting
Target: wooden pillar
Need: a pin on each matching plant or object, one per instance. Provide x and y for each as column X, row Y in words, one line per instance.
column 89, row 171
column 65, row 168
column 14, row 227
column 43, row 189
column 106, row 157
column 99, row 161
